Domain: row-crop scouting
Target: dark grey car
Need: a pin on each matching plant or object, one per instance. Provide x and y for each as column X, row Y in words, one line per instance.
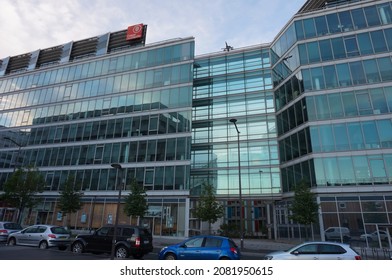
column 130, row 241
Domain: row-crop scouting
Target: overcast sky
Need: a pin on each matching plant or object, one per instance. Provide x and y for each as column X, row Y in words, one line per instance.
column 26, row 26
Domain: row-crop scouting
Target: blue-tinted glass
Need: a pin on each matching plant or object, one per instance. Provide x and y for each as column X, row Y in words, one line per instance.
column 338, row 48
column 385, row 67
column 385, row 13
column 378, row 41
column 317, row 78
column 371, row 70
column 378, row 101
column 331, row 171
column 385, row 130
column 349, row 104
column 333, row 23
column 321, row 25
column 357, row 73
column 371, row 135
column 322, row 109
column 341, row 137
column 336, row 106
column 346, row 170
column 313, row 52
column 315, row 139
column 310, row 108
column 361, row 169
column 372, row 16
column 356, row 136
column 343, row 74
column 345, row 21
column 358, row 18
column 303, row 55
column 351, row 46
column 310, row 30
column 326, row 138
column 365, row 44
column 388, row 37
column 363, row 100
column 330, row 76
column 326, row 50
column 306, row 79
column 299, row 30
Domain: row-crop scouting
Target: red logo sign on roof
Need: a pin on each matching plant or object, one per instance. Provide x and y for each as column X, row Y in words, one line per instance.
column 135, row 31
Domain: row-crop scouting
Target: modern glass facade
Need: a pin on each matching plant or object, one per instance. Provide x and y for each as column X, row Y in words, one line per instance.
column 238, row 85
column 333, row 90
column 315, row 104
column 77, row 117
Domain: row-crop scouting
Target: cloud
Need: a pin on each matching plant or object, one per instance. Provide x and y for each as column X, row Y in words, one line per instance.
column 39, row 24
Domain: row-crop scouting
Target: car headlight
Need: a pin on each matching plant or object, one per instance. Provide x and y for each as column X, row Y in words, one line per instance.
column 164, row 248
column 268, row 257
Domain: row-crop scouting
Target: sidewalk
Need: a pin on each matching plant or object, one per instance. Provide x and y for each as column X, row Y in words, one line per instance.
column 251, row 246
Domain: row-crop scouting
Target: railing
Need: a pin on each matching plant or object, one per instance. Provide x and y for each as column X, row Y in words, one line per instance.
column 375, row 253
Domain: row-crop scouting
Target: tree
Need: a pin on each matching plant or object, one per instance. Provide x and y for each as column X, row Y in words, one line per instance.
column 21, row 188
column 136, row 201
column 208, row 209
column 304, row 208
column 70, row 198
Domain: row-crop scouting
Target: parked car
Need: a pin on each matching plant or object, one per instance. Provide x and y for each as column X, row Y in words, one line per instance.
column 370, row 237
column 130, row 241
column 316, row 251
column 202, row 248
column 6, row 228
column 341, row 234
column 43, row 236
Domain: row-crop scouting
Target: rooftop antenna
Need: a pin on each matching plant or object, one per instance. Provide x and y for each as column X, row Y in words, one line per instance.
column 227, row 48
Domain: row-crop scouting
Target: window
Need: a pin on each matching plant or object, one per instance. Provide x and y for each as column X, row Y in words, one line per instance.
column 195, row 242
column 331, row 249
column 213, row 242
column 308, row 249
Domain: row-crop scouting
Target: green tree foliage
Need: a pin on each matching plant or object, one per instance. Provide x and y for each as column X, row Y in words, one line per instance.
column 70, row 198
column 208, row 209
column 21, row 189
column 136, row 201
column 304, row 207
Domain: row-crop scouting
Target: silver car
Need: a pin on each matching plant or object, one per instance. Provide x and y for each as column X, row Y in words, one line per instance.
column 6, row 228
column 316, row 251
column 43, row 236
column 370, row 237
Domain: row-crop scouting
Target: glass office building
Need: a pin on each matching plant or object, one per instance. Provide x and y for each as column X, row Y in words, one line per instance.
column 314, row 104
column 333, row 89
column 73, row 110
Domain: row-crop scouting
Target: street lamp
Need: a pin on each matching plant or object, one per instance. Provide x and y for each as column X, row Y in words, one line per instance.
column 234, row 121
column 19, row 147
column 118, row 167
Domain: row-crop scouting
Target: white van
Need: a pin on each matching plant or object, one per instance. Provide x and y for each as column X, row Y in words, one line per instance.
column 341, row 234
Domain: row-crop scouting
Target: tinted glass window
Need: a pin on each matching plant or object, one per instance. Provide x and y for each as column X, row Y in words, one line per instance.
column 308, row 249
column 103, row 231
column 12, row 226
column 213, row 242
column 59, row 230
column 331, row 249
column 128, row 231
column 196, row 242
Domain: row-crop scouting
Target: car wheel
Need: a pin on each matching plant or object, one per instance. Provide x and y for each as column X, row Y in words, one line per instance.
column 12, row 242
column 43, row 245
column 121, row 252
column 77, row 248
column 170, row 257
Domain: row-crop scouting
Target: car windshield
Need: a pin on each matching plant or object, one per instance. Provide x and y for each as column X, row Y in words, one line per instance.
column 59, row 230
column 12, row 226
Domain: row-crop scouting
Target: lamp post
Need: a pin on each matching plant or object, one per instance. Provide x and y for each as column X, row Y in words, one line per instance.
column 118, row 167
column 234, row 121
column 19, row 147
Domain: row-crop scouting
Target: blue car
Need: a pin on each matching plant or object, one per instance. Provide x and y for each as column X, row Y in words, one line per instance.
column 206, row 247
